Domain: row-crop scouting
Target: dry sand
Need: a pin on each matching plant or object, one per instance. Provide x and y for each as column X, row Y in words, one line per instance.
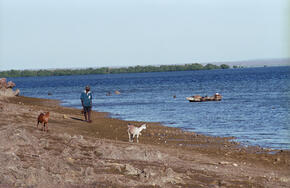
column 74, row 153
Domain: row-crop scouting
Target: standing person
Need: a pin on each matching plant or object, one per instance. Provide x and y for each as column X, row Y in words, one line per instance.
column 87, row 98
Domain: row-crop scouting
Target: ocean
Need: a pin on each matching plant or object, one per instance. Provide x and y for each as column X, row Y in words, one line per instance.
column 254, row 108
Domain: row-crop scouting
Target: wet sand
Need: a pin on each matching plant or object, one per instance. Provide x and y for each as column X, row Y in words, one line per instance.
column 74, row 153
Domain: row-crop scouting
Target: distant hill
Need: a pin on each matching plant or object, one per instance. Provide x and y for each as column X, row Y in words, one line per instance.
column 260, row 62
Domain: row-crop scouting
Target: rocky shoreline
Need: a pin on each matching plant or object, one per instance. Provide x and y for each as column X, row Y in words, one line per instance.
column 6, row 88
column 74, row 153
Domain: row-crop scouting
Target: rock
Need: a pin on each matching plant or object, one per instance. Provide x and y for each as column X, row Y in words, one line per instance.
column 10, row 84
column 70, row 160
column 31, row 180
column 118, row 167
column 130, row 170
column 161, row 177
column 7, row 92
column 3, row 83
column 224, row 163
column 89, row 171
column 17, row 92
column 285, row 179
column 6, row 88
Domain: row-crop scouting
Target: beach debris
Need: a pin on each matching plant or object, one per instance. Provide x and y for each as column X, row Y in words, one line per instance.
column 108, row 93
column 235, row 164
column 198, row 98
column 285, row 179
column 70, row 160
column 6, row 88
column 117, row 92
column 224, row 163
column 228, row 163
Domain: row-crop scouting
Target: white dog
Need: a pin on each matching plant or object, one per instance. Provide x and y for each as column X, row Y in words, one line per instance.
column 135, row 131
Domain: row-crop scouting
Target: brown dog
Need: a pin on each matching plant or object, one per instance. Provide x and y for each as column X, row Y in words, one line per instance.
column 43, row 118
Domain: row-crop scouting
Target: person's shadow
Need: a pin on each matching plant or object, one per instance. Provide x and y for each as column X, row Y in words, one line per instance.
column 78, row 119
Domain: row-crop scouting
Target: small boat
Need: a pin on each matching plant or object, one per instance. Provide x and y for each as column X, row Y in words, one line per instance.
column 198, row 98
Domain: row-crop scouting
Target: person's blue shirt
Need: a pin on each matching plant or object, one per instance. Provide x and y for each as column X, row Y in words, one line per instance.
column 86, row 98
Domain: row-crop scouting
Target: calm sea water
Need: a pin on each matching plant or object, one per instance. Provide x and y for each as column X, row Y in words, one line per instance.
column 254, row 109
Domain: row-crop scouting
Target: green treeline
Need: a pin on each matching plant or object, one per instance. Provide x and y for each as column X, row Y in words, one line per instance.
column 107, row 70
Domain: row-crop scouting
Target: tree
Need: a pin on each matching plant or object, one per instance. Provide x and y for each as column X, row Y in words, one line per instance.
column 224, row 66
column 211, row 66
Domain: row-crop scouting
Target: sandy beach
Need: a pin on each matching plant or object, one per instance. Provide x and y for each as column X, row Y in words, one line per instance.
column 74, row 153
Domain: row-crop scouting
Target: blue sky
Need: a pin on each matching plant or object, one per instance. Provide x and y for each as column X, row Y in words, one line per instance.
column 40, row 34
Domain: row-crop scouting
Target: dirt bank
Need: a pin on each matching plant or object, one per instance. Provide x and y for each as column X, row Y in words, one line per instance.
column 78, row 154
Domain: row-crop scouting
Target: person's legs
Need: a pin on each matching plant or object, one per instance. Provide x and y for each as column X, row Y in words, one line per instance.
column 89, row 114
column 85, row 113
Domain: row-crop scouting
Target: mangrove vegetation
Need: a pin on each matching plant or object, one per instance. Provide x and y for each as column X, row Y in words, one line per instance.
column 107, row 70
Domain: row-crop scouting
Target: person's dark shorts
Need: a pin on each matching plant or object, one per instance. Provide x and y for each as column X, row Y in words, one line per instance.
column 87, row 109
